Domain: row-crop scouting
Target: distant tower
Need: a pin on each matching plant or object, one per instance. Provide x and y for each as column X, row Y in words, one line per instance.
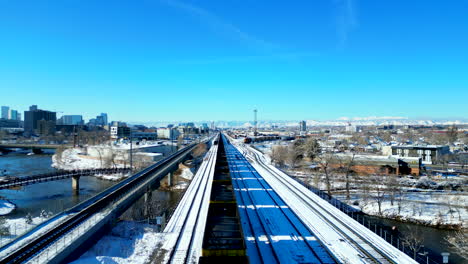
column 255, row 122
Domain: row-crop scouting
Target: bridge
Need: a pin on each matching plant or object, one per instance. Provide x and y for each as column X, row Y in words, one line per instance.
column 36, row 148
column 12, row 182
column 67, row 235
column 238, row 208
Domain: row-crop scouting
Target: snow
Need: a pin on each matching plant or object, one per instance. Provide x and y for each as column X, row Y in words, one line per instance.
column 429, row 208
column 6, row 207
column 132, row 242
column 21, row 226
column 128, row 242
column 186, row 173
column 74, row 159
column 191, row 213
column 341, row 246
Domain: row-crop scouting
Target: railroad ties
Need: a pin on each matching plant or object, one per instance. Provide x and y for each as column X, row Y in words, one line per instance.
column 223, row 240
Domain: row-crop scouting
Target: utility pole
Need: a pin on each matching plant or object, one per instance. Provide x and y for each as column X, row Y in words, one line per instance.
column 255, row 122
column 131, row 151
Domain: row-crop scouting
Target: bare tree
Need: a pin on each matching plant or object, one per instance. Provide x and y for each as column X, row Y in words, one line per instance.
column 392, row 187
column 326, row 161
column 311, row 148
column 279, row 155
column 452, row 134
column 459, row 243
column 349, row 164
column 379, row 188
column 294, row 155
column 413, row 240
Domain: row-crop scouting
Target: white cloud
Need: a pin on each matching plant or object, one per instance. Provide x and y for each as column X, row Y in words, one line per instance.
column 220, row 26
column 346, row 19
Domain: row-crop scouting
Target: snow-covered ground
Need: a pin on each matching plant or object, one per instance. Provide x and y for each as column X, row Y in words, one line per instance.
column 440, row 209
column 128, row 242
column 6, row 207
column 76, row 159
column 186, row 173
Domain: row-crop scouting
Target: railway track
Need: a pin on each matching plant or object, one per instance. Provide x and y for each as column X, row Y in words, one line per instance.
column 272, row 252
column 184, row 244
column 83, row 211
column 365, row 244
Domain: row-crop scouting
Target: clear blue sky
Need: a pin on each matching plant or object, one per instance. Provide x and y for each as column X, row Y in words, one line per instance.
column 217, row 60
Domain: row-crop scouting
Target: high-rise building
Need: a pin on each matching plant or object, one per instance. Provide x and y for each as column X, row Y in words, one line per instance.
column 32, row 118
column 13, row 114
column 104, row 119
column 302, row 126
column 5, row 112
column 70, row 120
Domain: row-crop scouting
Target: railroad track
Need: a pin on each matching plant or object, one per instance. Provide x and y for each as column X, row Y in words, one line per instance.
column 364, row 244
column 318, row 250
column 83, row 211
column 181, row 252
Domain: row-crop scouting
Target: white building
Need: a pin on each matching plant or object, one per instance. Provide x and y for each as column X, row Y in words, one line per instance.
column 168, row 133
column 113, row 132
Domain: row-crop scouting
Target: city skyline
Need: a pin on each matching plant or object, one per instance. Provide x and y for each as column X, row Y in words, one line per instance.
column 179, row 60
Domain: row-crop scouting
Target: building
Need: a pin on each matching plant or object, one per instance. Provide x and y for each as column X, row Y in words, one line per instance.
column 168, row 133
column 5, row 112
column 429, row 154
column 104, row 121
column 100, row 120
column 10, row 114
column 13, row 114
column 8, row 123
column 302, row 126
column 32, row 118
column 70, row 120
column 120, row 132
column 351, row 128
column 46, row 127
column 145, row 135
column 372, row 164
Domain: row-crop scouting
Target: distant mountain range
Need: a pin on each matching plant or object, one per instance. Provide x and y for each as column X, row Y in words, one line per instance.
column 342, row 121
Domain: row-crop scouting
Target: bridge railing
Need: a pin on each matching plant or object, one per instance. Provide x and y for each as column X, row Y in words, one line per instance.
column 61, row 174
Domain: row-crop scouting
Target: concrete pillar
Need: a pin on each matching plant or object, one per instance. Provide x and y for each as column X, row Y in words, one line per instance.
column 147, row 198
column 170, row 176
column 76, row 184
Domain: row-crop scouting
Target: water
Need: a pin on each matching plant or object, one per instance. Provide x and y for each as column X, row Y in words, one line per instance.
column 432, row 238
column 54, row 196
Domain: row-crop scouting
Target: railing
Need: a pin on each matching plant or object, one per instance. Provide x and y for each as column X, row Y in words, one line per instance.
column 58, row 175
column 387, row 233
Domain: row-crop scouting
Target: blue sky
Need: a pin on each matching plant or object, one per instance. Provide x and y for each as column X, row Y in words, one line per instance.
column 157, row 60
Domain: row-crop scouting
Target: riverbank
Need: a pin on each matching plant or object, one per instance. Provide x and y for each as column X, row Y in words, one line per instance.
column 408, row 200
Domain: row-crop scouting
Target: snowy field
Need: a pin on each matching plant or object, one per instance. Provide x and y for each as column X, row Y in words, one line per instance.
column 128, row 242
column 415, row 201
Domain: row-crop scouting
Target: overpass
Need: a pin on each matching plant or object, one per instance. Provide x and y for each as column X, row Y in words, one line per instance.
column 238, row 208
column 67, row 235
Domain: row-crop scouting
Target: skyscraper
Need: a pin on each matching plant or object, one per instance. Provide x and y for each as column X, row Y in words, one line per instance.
column 302, row 126
column 104, row 119
column 5, row 112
